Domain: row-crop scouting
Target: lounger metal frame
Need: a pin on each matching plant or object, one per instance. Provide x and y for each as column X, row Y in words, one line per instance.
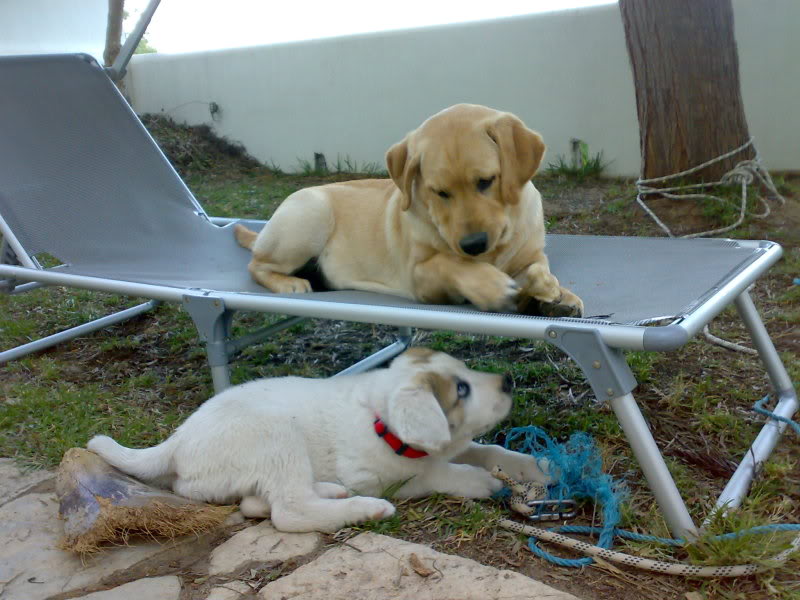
column 595, row 345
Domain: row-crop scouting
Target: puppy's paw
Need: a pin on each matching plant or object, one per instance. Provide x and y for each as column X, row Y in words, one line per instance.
column 571, row 300
column 490, row 289
column 325, row 489
column 289, row 285
column 525, row 468
column 565, row 306
column 478, row 483
column 383, row 509
column 363, row 508
column 254, row 507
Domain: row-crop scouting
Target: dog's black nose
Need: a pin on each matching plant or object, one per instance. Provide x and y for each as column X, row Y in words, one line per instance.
column 475, row 243
column 508, row 383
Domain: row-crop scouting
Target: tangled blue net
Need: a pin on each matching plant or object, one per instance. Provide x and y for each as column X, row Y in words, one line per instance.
column 576, row 467
column 577, row 470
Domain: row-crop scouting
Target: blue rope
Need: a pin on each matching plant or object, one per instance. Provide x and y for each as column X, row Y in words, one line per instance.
column 759, row 408
column 577, row 468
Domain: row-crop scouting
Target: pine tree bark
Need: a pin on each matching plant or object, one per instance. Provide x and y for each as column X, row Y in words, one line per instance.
column 116, row 13
column 113, row 31
column 686, row 73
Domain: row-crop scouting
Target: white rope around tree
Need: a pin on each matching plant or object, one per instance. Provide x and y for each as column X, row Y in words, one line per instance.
column 726, row 344
column 744, row 173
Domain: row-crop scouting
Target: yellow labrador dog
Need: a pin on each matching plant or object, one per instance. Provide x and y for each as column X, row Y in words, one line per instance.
column 458, row 221
column 294, row 449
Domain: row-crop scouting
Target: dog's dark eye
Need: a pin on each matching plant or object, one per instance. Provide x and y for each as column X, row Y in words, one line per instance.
column 462, row 389
column 483, row 184
column 443, row 194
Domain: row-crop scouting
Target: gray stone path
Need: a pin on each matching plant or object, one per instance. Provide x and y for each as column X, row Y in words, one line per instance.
column 375, row 566
column 163, row 588
column 368, row 566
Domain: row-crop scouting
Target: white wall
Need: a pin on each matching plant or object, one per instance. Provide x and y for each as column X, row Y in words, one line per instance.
column 53, row 26
column 565, row 74
column 769, row 69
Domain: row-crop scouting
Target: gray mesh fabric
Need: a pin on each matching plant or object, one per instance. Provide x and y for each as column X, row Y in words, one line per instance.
column 81, row 179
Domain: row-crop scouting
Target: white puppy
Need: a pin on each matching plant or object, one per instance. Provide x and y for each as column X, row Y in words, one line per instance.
column 295, row 448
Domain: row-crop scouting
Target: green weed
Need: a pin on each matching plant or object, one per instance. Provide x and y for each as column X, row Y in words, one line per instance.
column 585, row 167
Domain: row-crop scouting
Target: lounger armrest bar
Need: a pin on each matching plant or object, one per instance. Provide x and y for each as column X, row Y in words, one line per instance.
column 222, row 221
column 696, row 320
column 665, row 339
column 626, row 337
column 225, row 221
column 27, row 287
column 15, row 245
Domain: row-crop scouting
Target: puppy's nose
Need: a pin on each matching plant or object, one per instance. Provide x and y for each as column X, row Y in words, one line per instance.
column 508, row 383
column 475, row 243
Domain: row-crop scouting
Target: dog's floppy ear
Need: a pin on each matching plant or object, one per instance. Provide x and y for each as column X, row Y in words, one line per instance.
column 403, row 169
column 521, row 151
column 415, row 416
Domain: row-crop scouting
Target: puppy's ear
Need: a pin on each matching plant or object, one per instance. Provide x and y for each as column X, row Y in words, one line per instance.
column 415, row 416
column 403, row 169
column 521, row 151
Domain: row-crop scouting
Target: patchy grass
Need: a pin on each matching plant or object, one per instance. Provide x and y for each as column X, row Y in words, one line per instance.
column 138, row 380
column 583, row 166
column 445, row 523
column 40, row 420
column 592, row 168
column 342, row 166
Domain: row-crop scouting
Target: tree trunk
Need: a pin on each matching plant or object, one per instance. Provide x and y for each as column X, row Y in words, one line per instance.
column 113, row 31
column 686, row 73
column 116, row 14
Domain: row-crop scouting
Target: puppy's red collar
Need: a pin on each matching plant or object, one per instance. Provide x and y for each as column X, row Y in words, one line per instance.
column 395, row 443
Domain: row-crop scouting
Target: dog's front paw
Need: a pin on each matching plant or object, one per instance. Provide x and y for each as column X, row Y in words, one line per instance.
column 290, row 285
column 364, row 508
column 567, row 305
column 326, row 489
column 278, row 283
column 491, row 290
column 525, row 468
column 478, row 483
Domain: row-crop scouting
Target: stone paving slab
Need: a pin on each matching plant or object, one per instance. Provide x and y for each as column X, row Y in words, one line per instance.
column 14, row 482
column 262, row 543
column 368, row 567
column 376, row 567
column 234, row 590
column 149, row 588
column 32, row 567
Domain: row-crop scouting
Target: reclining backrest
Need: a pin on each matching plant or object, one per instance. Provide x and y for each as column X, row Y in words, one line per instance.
column 80, row 177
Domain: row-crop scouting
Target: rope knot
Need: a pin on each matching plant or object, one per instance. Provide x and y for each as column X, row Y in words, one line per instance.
column 744, row 173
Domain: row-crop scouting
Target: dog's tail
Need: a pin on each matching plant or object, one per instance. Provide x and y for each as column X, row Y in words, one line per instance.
column 146, row 464
column 244, row 236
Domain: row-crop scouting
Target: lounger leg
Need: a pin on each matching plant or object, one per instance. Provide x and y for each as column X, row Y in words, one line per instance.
column 787, row 405
column 766, row 349
column 221, row 377
column 69, row 334
column 7, row 257
column 653, row 466
column 611, row 378
column 404, row 336
column 213, row 322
